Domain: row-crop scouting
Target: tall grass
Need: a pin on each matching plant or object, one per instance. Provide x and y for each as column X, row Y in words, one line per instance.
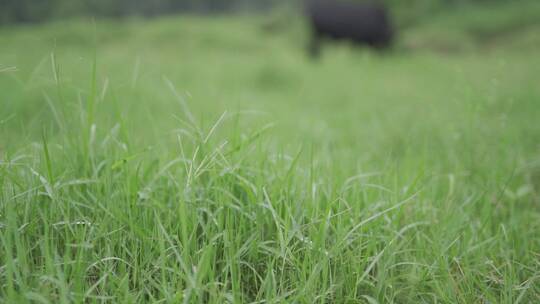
column 221, row 168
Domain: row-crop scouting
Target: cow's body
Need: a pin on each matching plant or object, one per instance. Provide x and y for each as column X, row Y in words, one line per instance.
column 364, row 23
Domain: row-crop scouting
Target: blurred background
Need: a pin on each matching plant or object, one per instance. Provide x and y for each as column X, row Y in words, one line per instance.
column 16, row 11
column 460, row 71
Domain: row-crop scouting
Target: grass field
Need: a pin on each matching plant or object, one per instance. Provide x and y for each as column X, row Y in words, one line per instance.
column 208, row 160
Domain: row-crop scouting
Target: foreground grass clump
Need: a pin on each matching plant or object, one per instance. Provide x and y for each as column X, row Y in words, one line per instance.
column 227, row 220
column 202, row 161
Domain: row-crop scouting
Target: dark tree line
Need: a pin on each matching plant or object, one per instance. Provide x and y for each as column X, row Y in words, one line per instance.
column 18, row 11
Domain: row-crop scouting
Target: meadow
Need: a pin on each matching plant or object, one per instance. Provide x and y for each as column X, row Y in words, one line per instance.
column 191, row 159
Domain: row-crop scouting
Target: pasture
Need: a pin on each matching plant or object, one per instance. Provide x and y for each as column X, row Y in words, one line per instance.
column 209, row 160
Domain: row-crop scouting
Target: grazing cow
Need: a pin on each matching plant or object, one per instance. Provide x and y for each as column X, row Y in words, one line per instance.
column 361, row 22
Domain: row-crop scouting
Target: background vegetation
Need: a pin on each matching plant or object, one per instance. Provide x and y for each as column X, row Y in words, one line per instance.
column 194, row 159
column 39, row 10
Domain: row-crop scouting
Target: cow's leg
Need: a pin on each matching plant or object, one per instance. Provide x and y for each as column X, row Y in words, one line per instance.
column 315, row 45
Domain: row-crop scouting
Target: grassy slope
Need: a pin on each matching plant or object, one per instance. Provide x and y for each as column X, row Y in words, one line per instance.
column 360, row 178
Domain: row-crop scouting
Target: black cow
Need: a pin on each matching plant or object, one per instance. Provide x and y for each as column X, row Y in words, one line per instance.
column 365, row 23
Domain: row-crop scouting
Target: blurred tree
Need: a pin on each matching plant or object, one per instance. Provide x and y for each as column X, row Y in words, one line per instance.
column 16, row 11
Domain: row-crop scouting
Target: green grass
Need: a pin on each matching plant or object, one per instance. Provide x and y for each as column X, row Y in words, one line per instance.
column 193, row 160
